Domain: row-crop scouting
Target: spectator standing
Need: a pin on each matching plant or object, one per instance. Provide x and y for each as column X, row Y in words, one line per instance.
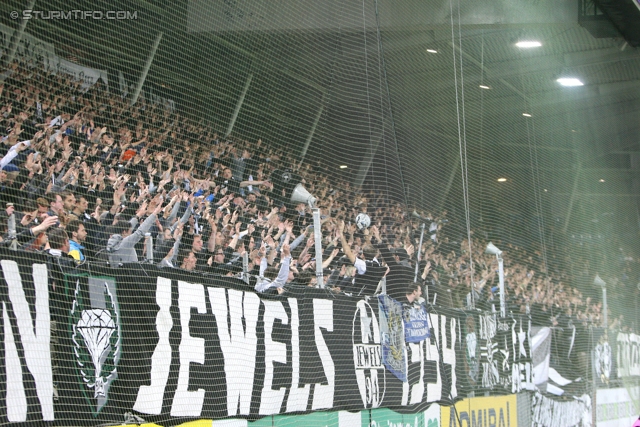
column 400, row 272
column 369, row 271
column 78, row 234
column 121, row 244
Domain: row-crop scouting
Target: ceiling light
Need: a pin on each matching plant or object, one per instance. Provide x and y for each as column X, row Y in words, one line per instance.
column 432, row 51
column 343, row 166
column 502, row 179
column 601, row 180
column 526, row 114
column 484, row 87
column 526, row 44
column 570, row 81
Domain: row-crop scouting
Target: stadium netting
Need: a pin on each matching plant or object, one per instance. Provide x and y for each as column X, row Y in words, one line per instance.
column 173, row 134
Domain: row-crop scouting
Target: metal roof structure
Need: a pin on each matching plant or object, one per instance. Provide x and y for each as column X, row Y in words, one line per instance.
column 356, row 78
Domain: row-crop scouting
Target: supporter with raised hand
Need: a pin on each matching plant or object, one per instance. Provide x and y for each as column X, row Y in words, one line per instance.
column 121, row 244
column 327, row 262
column 304, row 255
column 400, row 273
column 31, row 237
column 368, row 268
column 55, row 160
column 268, row 281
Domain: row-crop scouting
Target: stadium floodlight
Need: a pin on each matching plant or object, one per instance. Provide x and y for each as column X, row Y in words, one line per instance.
column 570, row 81
column 597, row 281
column 493, row 250
column 528, row 44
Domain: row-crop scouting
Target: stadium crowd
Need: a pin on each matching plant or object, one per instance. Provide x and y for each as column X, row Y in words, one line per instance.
column 87, row 177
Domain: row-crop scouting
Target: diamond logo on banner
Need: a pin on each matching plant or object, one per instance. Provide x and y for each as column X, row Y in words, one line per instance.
column 96, row 337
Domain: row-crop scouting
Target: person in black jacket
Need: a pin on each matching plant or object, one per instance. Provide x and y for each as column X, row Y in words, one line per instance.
column 400, row 273
column 369, row 270
column 59, row 250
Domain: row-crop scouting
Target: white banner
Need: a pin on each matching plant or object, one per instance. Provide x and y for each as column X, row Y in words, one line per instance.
column 89, row 76
column 29, row 47
column 567, row 413
column 628, row 355
column 39, row 52
column 617, row 406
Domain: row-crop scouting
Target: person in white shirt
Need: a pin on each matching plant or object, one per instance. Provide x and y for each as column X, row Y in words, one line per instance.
column 267, row 280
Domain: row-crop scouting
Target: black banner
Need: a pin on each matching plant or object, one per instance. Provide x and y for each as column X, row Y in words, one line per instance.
column 495, row 353
column 170, row 346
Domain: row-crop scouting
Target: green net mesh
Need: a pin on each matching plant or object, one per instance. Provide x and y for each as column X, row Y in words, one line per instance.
column 425, row 117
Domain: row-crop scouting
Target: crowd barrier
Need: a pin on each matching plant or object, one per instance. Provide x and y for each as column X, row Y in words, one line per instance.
column 95, row 345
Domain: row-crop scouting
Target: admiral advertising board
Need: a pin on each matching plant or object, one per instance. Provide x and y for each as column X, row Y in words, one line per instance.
column 494, row 411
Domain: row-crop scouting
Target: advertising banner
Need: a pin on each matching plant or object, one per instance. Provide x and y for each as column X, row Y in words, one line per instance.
column 498, row 411
column 617, row 406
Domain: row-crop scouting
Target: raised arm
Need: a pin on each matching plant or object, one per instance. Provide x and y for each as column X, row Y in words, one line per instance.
column 236, row 236
column 305, row 251
column 345, row 246
column 211, row 243
column 326, row 262
column 285, row 262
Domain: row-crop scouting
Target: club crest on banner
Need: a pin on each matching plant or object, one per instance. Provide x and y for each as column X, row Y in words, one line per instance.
column 96, row 336
column 394, row 352
column 367, row 356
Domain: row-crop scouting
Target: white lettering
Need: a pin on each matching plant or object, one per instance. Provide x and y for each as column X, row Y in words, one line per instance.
column 238, row 345
column 434, row 390
column 323, row 318
column 298, row 396
column 37, row 350
column 417, row 390
column 271, row 400
column 449, row 352
column 16, row 397
column 149, row 399
column 189, row 403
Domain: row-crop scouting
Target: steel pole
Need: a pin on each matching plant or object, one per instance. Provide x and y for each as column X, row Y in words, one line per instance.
column 17, row 36
column 311, row 132
column 415, row 278
column 503, row 305
column 145, row 70
column 317, row 235
column 239, row 105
